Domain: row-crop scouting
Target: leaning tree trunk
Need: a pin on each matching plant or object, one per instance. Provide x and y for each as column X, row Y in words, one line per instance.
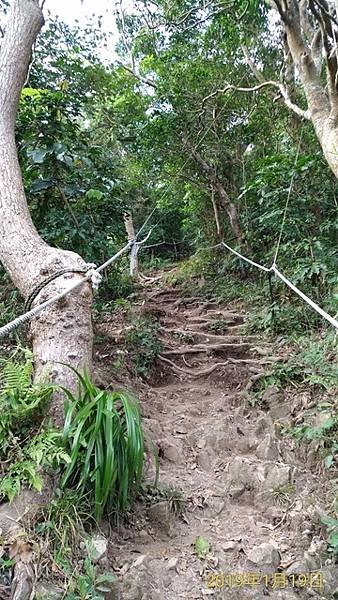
column 224, row 200
column 63, row 332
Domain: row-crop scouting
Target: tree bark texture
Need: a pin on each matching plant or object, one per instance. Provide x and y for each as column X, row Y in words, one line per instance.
column 63, row 332
column 312, row 37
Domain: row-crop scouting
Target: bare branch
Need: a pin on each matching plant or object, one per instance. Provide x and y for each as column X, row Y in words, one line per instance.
column 137, row 76
column 304, row 114
column 257, row 73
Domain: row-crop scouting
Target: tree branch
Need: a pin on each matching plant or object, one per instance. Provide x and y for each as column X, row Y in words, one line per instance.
column 137, row 76
column 304, row 114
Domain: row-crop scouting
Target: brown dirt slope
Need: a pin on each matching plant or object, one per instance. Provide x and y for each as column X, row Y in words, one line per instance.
column 247, row 494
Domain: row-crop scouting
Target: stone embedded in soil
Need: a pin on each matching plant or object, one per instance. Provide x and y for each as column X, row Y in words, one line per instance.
column 172, row 564
column 173, row 452
column 253, row 474
column 330, row 579
column 45, row 590
column 265, row 554
column 99, row 548
column 154, row 428
column 230, row 545
column 264, row 425
column 160, row 515
column 276, row 476
column 267, row 449
column 307, row 564
column 204, row 460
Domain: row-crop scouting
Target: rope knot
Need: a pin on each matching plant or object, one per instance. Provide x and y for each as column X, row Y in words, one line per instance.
column 94, row 276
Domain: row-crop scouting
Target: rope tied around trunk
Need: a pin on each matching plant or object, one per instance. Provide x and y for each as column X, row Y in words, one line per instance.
column 92, row 275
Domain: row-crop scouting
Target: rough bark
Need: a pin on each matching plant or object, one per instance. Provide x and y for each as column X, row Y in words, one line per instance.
column 309, row 45
column 62, row 333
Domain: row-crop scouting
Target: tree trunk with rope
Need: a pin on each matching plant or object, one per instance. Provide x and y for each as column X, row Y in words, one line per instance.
column 63, row 332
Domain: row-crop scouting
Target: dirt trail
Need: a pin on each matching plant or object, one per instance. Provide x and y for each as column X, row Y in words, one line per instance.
column 246, row 490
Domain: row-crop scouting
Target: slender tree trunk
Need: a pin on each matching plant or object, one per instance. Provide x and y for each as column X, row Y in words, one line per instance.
column 129, row 226
column 215, row 208
column 62, row 333
column 217, row 185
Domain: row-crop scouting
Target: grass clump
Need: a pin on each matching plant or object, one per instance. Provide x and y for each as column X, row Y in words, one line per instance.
column 103, row 435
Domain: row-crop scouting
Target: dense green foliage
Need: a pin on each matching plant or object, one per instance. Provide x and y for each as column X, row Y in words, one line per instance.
column 98, row 139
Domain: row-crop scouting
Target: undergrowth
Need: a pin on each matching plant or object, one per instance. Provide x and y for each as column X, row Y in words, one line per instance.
column 98, row 459
column 142, row 344
column 103, row 435
column 27, row 443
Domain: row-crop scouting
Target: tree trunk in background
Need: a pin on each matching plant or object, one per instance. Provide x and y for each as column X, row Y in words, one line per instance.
column 129, row 225
column 63, row 332
column 225, row 202
column 311, row 35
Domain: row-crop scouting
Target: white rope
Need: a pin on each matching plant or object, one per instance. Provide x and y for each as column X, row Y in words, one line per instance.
column 93, row 275
column 274, row 269
column 251, row 262
column 315, row 306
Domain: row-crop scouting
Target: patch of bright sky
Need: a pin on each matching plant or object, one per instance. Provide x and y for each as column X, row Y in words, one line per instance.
column 71, row 11
column 82, row 11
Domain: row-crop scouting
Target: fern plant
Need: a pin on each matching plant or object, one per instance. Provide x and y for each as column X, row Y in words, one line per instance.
column 103, row 435
column 26, row 444
column 21, row 401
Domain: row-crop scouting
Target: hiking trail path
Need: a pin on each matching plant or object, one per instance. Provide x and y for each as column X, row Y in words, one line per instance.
column 250, row 495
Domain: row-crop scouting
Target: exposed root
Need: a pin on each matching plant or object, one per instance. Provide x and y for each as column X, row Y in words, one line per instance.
column 207, row 348
column 208, row 370
column 164, row 292
column 211, row 337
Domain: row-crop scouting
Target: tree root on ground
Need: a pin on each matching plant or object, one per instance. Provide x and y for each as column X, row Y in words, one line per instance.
column 211, row 337
column 206, row 348
column 208, row 370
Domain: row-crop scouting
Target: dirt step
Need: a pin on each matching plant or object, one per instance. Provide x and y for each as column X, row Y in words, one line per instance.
column 200, row 336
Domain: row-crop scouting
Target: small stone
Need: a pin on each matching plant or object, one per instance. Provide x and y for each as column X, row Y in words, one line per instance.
column 172, row 452
column 267, row 449
column 154, row 428
column 99, row 548
column 230, row 545
column 139, row 561
column 330, row 578
column 299, row 566
column 264, row 554
column 264, row 425
column 276, row 476
column 45, row 590
column 204, row 460
column 172, row 564
column 161, row 515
